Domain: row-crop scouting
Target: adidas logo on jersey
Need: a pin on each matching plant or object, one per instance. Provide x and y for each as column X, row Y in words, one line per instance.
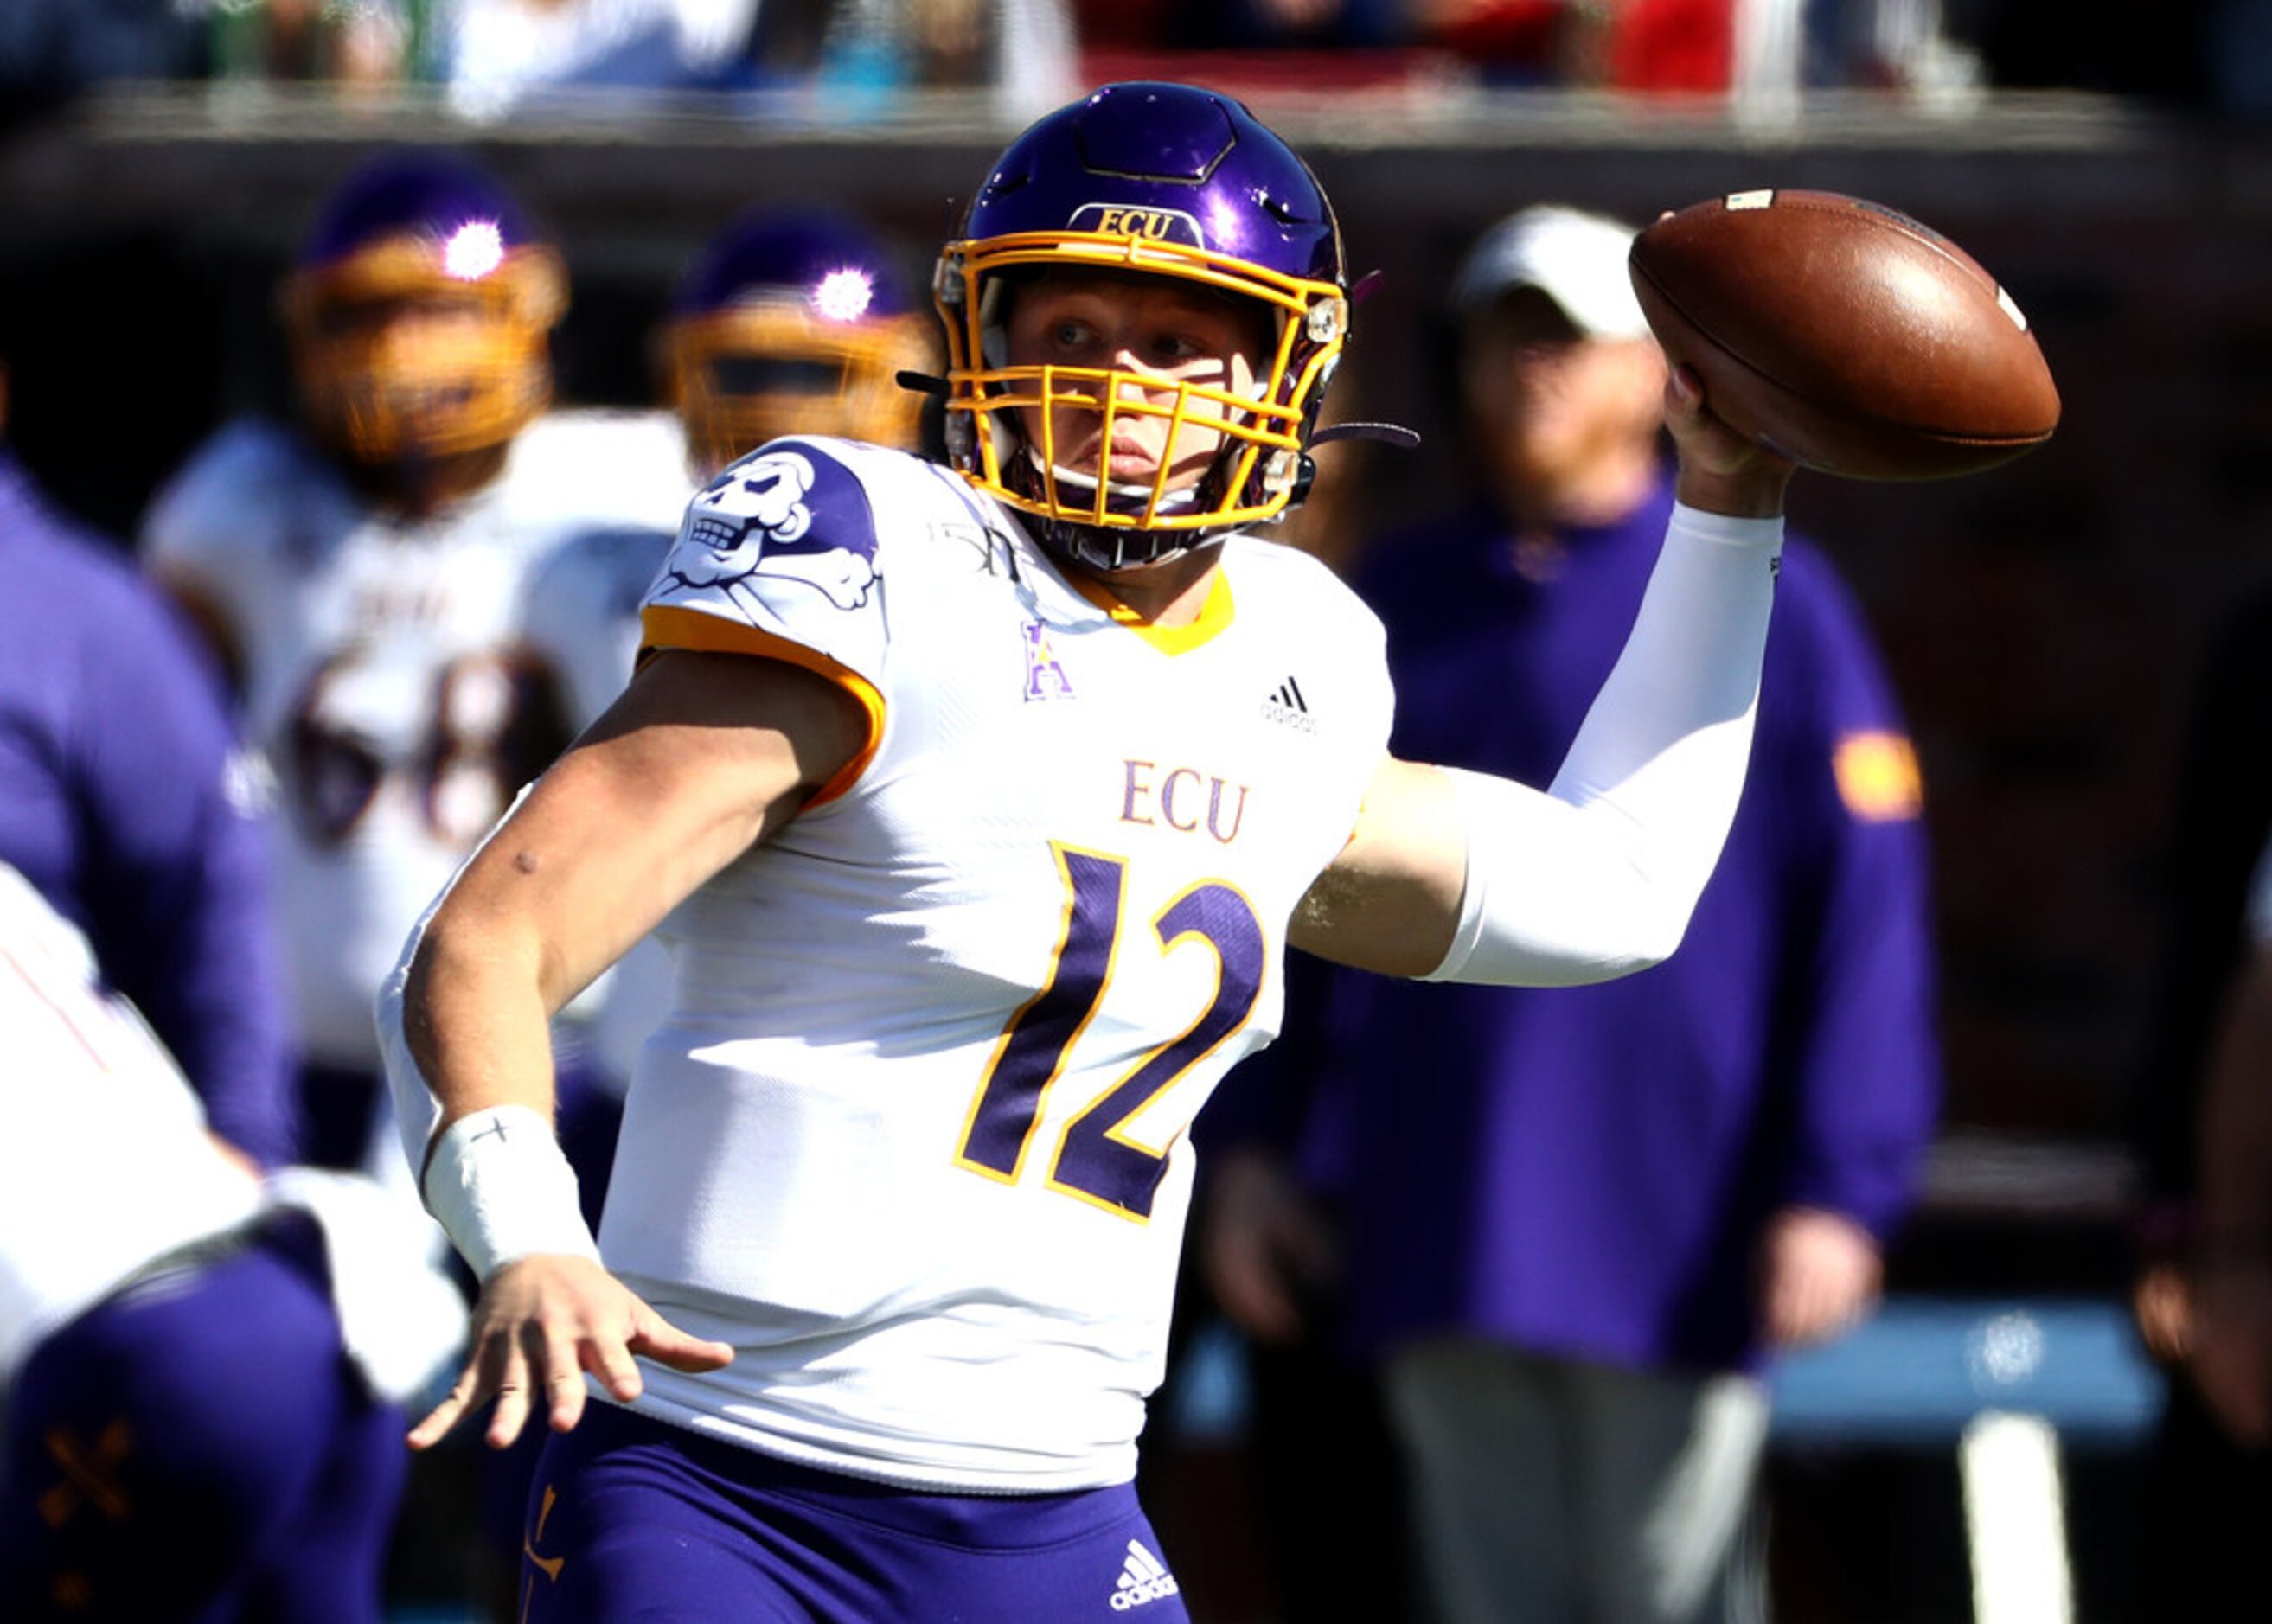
column 1287, row 706
column 1142, row 1578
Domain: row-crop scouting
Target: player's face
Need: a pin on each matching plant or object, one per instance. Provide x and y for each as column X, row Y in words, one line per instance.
column 413, row 341
column 1548, row 400
column 1151, row 326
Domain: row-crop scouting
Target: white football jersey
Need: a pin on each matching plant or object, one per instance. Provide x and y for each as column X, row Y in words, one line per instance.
column 914, row 1136
column 106, row 1166
column 583, row 609
column 386, row 678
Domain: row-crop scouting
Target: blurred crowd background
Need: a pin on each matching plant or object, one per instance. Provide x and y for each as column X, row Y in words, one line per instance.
column 2053, row 632
column 489, row 54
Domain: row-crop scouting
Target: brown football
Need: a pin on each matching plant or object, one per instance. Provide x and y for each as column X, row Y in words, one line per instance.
column 1845, row 335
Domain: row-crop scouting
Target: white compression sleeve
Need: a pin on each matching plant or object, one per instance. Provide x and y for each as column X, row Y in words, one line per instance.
column 502, row 1189
column 1597, row 877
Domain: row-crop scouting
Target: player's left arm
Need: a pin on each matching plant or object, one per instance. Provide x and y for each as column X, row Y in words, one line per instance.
column 703, row 756
column 1462, row 876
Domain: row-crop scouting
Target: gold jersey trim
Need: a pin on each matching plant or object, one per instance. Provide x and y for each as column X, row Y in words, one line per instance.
column 671, row 626
column 1215, row 616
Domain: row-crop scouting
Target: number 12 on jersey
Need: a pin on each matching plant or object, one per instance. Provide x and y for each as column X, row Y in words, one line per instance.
column 1093, row 1161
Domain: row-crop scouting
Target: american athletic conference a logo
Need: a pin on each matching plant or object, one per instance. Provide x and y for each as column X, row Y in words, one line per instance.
column 755, row 519
column 1045, row 676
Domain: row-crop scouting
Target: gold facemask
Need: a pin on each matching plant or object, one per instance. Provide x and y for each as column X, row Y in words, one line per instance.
column 457, row 363
column 755, row 372
column 1255, row 473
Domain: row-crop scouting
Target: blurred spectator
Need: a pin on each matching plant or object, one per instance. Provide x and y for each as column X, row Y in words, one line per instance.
column 2209, row 1498
column 1894, row 43
column 50, row 48
column 125, row 799
column 149, row 1470
column 1297, row 24
column 1749, row 47
column 494, row 51
column 2236, row 47
column 2201, row 55
column 361, row 40
column 1155, row 25
column 1650, row 45
column 1571, row 1224
column 1021, row 50
column 491, row 52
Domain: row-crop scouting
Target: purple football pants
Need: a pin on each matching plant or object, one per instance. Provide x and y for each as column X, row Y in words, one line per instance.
column 633, row 1519
column 197, row 1448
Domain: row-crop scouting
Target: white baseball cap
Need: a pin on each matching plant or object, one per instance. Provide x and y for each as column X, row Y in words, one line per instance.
column 1576, row 259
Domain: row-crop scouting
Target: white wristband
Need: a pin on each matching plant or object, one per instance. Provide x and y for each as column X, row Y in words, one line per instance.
column 501, row 1189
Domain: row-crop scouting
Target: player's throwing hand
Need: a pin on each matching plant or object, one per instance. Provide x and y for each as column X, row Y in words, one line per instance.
column 1720, row 469
column 542, row 1323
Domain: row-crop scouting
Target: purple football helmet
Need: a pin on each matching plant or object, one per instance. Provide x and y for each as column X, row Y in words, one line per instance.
column 793, row 323
column 418, row 313
column 1158, row 180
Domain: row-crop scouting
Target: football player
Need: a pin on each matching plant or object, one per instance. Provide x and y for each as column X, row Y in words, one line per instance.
column 794, row 322
column 149, row 1469
column 789, row 321
column 983, row 800
column 361, row 573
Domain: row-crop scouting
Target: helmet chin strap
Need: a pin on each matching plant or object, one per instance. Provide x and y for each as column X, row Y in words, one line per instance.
column 1112, row 550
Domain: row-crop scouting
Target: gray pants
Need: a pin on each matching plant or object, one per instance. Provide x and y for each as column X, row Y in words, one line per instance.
column 1548, row 1492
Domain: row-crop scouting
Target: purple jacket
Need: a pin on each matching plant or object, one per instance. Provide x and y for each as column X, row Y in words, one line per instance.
column 1585, row 1171
column 116, row 761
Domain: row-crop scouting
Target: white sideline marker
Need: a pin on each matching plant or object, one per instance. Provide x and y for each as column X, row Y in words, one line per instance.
column 2015, row 1520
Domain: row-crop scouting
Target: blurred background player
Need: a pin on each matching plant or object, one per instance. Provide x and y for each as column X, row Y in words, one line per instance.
column 794, row 322
column 149, row 1470
column 790, row 321
column 2232, row 1265
column 362, row 572
column 1570, row 1232
column 123, row 800
column 787, row 322
column 2198, row 1123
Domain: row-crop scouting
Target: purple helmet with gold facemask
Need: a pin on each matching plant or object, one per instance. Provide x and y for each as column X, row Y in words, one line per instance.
column 1157, row 180
column 794, row 322
column 419, row 311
